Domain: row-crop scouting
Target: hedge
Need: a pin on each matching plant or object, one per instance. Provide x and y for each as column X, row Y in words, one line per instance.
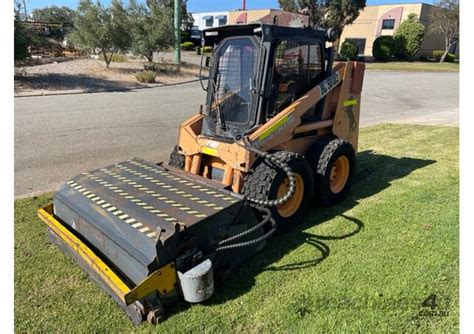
column 383, row 48
column 189, row 46
column 146, row 76
column 349, row 50
column 437, row 54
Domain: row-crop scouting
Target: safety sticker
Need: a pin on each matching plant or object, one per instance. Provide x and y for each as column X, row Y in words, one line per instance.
column 209, row 151
column 351, row 102
column 273, row 128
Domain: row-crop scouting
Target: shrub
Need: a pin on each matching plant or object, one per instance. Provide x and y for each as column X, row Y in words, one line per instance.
column 409, row 37
column 206, row 49
column 146, row 76
column 437, row 54
column 450, row 58
column 119, row 58
column 349, row 50
column 188, row 46
column 116, row 58
column 399, row 47
column 383, row 48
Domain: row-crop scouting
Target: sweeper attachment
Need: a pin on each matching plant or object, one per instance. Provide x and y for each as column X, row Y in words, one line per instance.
column 279, row 131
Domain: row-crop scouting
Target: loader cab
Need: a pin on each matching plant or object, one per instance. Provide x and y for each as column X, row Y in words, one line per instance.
column 256, row 71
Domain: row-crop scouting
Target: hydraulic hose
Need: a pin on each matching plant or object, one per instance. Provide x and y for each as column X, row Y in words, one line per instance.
column 221, row 244
column 259, row 204
column 279, row 162
column 250, row 230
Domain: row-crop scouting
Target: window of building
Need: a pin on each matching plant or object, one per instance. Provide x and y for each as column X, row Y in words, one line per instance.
column 360, row 42
column 223, row 21
column 388, row 24
column 209, row 21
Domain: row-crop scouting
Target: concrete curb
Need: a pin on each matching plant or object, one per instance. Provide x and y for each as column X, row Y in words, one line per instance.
column 83, row 91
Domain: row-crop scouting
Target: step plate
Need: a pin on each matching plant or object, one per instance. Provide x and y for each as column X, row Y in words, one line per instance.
column 127, row 211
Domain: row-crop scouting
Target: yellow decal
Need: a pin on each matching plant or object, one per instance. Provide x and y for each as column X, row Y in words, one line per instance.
column 273, row 128
column 209, row 151
column 349, row 103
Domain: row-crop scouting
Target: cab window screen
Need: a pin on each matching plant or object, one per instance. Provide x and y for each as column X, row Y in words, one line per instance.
column 315, row 63
column 237, row 63
column 297, row 66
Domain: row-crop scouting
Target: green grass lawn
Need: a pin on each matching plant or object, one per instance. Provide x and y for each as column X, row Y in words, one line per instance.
column 417, row 66
column 365, row 265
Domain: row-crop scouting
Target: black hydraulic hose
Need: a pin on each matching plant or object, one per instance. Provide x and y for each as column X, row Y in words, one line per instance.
column 278, row 162
column 250, row 230
column 253, row 241
column 262, row 205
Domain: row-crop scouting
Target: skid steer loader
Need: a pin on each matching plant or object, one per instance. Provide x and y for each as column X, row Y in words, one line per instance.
column 278, row 133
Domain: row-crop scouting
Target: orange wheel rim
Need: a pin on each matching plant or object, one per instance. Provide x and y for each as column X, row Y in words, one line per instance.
column 290, row 207
column 339, row 174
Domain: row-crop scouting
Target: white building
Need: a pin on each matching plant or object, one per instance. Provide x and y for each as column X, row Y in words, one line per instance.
column 210, row 19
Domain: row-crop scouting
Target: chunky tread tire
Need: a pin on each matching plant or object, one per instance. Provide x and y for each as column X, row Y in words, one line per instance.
column 264, row 181
column 176, row 158
column 322, row 163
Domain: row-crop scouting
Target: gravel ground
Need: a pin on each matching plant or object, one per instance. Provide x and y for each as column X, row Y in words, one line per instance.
column 91, row 75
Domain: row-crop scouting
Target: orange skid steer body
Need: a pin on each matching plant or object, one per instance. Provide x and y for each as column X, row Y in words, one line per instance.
column 278, row 132
column 342, row 91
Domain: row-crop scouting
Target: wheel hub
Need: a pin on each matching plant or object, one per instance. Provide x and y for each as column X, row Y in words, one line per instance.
column 339, row 174
column 290, row 207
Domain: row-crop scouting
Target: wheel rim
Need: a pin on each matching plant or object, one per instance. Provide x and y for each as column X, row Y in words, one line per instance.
column 290, row 207
column 339, row 174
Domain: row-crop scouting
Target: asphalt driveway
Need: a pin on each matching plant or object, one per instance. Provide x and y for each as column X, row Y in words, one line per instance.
column 57, row 137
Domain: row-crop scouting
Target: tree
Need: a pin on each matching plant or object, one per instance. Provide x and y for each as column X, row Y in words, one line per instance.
column 151, row 28
column 61, row 20
column 54, row 14
column 20, row 36
column 326, row 13
column 444, row 19
column 103, row 28
column 187, row 20
column 409, row 37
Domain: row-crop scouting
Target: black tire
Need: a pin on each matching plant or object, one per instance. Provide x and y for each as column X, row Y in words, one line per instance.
column 323, row 161
column 314, row 152
column 263, row 184
column 176, row 158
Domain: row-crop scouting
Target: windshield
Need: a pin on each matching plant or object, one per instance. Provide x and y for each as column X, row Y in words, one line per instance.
column 231, row 88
